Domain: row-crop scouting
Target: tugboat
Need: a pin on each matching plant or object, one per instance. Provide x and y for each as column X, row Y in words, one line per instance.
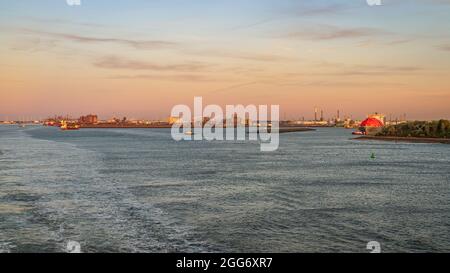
column 69, row 126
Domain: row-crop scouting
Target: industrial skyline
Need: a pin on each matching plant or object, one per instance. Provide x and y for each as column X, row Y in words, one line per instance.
column 140, row 58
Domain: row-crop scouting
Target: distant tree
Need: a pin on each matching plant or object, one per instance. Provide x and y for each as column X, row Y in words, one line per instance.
column 435, row 129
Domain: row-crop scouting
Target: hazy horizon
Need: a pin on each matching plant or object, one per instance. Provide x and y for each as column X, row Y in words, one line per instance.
column 140, row 58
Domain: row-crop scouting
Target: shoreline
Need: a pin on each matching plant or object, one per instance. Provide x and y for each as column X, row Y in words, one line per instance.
column 123, row 126
column 406, row 139
column 282, row 130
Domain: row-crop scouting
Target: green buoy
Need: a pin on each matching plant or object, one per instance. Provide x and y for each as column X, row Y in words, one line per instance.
column 373, row 156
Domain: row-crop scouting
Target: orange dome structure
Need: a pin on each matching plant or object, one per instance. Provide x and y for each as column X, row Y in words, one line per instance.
column 371, row 126
column 372, row 122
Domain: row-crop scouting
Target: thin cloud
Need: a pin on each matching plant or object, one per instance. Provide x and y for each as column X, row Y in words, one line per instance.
column 65, row 22
column 328, row 83
column 375, row 70
column 115, row 62
column 325, row 32
column 179, row 77
column 254, row 24
column 137, row 44
column 34, row 44
column 361, row 70
column 322, row 10
column 235, row 86
column 444, row 47
column 398, row 42
column 387, row 68
column 299, row 11
column 375, row 42
column 259, row 57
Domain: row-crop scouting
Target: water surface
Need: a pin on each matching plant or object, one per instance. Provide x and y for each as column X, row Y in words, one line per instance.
column 136, row 190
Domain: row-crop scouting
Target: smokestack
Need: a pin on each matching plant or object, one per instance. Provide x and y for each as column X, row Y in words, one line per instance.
column 321, row 115
column 315, row 114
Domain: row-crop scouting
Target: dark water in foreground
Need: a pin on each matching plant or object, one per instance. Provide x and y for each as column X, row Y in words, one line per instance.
column 139, row 191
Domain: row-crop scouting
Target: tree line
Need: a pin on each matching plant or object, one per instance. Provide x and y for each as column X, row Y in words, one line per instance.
column 432, row 129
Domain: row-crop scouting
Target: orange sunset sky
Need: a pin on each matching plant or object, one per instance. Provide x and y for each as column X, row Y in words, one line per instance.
column 139, row 58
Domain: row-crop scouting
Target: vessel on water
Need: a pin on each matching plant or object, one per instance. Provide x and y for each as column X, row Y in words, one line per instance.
column 69, row 126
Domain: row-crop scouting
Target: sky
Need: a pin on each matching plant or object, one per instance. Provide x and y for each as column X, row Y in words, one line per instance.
column 139, row 58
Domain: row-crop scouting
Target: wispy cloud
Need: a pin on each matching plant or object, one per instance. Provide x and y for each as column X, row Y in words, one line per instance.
column 303, row 10
column 387, row 68
column 159, row 77
column 34, row 44
column 318, row 10
column 328, row 83
column 254, row 24
column 235, row 86
column 115, row 62
column 342, row 70
column 137, row 44
column 255, row 57
column 327, row 32
column 259, row 57
column 63, row 21
column 444, row 47
column 400, row 41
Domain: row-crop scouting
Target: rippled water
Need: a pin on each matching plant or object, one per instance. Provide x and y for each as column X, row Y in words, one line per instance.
column 139, row 191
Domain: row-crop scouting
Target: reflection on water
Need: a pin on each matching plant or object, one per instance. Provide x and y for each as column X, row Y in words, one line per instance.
column 139, row 191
